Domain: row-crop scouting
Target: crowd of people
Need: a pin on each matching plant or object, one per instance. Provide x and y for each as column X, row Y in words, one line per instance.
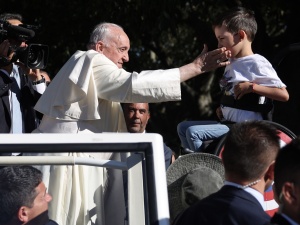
column 92, row 93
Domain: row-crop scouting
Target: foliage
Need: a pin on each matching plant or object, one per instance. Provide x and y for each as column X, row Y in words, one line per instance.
column 163, row 34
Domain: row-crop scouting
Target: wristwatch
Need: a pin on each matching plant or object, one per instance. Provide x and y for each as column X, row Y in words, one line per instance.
column 39, row 81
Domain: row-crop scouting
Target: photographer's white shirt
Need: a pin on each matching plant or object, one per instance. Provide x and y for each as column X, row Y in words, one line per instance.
column 40, row 88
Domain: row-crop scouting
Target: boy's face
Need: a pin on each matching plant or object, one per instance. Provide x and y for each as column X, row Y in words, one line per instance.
column 232, row 42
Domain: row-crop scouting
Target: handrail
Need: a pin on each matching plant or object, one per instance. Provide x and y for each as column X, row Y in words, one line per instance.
column 61, row 160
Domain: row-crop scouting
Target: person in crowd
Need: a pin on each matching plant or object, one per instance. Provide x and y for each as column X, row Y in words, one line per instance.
column 287, row 184
column 21, row 87
column 249, row 83
column 191, row 178
column 136, row 117
column 84, row 97
column 23, row 197
column 249, row 155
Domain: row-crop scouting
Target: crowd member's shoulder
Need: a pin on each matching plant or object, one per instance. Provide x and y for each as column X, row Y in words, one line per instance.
column 278, row 219
column 51, row 222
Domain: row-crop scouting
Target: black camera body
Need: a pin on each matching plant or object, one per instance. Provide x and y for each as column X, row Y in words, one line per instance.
column 34, row 56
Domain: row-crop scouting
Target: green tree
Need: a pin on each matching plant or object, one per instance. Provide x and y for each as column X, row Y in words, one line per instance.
column 163, row 34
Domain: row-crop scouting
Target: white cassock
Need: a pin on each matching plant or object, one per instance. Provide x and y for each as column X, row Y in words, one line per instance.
column 85, row 97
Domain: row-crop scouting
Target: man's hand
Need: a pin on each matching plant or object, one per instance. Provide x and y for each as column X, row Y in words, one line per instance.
column 205, row 62
column 5, row 54
column 34, row 74
column 208, row 61
column 4, row 48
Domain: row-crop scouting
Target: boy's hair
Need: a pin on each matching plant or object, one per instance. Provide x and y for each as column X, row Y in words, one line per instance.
column 250, row 147
column 237, row 19
column 287, row 165
column 17, row 188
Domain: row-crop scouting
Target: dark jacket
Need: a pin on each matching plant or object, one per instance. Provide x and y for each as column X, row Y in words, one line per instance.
column 42, row 219
column 278, row 219
column 51, row 222
column 228, row 206
column 168, row 156
column 28, row 99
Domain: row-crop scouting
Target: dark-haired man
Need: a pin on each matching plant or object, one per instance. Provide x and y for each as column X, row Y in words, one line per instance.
column 287, row 185
column 248, row 157
column 136, row 117
column 21, row 87
column 23, row 197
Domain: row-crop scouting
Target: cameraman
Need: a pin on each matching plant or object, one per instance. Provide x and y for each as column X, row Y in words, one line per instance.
column 20, row 87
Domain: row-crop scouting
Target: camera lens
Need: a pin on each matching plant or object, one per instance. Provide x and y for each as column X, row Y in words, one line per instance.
column 35, row 57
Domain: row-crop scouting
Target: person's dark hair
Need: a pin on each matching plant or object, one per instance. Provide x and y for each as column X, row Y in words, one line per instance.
column 250, row 147
column 11, row 16
column 287, row 165
column 17, row 188
column 237, row 19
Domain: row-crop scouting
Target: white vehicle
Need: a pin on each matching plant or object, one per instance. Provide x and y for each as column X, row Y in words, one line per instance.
column 146, row 193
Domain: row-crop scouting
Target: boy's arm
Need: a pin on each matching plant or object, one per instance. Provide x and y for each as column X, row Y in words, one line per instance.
column 279, row 94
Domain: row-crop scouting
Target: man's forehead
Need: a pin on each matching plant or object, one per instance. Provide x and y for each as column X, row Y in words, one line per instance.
column 138, row 106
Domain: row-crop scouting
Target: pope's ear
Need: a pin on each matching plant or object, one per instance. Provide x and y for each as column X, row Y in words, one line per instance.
column 99, row 46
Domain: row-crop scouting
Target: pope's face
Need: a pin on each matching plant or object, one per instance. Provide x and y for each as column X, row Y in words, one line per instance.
column 117, row 46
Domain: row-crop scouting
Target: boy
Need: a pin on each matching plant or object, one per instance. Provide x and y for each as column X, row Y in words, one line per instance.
column 249, row 83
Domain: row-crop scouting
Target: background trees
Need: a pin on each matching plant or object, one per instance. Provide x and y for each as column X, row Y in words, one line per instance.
column 165, row 34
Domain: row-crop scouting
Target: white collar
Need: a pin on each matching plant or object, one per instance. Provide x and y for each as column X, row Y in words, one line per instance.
column 256, row 194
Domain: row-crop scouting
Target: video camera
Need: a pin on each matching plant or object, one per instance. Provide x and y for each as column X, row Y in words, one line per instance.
column 34, row 56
